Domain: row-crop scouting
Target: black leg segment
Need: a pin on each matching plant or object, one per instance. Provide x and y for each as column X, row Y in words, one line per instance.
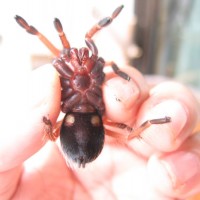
column 119, row 72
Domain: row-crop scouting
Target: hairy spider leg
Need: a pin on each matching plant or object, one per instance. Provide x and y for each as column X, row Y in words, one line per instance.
column 32, row 30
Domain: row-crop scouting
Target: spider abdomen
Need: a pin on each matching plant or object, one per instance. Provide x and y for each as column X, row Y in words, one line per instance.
column 82, row 136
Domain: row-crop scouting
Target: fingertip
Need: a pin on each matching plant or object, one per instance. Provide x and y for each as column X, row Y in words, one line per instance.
column 172, row 100
column 122, row 98
column 163, row 137
column 172, row 175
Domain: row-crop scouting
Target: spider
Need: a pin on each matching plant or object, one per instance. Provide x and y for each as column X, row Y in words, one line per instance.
column 81, row 76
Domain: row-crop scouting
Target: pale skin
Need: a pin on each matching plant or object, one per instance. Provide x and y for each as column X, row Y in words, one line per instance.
column 163, row 164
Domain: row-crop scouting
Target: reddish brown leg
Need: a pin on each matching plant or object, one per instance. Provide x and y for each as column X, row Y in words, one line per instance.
column 103, row 23
column 134, row 132
column 62, row 35
column 72, row 100
column 97, row 27
column 95, row 98
column 32, row 30
column 62, row 68
column 50, row 132
column 147, row 124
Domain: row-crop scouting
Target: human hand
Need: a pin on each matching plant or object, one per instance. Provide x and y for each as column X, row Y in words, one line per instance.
column 163, row 165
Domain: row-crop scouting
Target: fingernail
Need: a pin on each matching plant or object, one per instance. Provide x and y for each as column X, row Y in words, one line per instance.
column 181, row 167
column 173, row 109
column 126, row 92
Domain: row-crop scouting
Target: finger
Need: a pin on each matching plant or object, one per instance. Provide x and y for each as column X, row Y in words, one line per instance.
column 122, row 98
column 167, row 99
column 25, row 136
column 179, row 171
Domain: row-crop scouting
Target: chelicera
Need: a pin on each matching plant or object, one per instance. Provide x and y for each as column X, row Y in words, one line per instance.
column 81, row 77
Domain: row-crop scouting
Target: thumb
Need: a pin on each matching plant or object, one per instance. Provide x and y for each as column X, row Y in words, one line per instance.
column 24, row 137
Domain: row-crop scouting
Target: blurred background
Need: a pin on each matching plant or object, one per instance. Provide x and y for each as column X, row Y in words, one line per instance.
column 168, row 31
column 156, row 36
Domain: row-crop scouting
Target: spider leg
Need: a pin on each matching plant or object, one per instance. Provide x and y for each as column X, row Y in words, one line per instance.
column 132, row 133
column 62, row 35
column 103, row 23
column 62, row 68
column 120, row 73
column 117, row 70
column 137, row 132
column 97, row 27
column 51, row 132
column 32, row 30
